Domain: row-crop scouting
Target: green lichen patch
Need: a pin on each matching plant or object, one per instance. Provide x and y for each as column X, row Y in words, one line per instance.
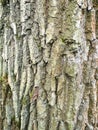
column 4, row 80
column 15, row 124
column 4, row 2
column 24, row 101
column 70, row 44
column 70, row 70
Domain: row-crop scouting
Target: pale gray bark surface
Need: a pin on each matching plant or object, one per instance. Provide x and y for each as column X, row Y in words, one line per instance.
column 48, row 65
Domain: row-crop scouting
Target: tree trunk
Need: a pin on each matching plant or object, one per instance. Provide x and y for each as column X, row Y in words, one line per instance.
column 48, row 65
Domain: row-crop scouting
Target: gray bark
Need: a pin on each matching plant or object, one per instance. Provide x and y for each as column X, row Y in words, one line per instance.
column 48, row 65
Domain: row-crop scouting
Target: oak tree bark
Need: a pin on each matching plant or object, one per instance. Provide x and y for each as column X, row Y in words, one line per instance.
column 48, row 65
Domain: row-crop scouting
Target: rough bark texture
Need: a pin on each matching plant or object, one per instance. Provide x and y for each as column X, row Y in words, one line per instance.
column 48, row 65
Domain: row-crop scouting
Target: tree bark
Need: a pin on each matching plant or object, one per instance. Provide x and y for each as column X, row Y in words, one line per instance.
column 49, row 65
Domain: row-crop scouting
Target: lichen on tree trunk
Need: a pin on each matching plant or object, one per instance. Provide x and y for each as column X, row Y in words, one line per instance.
column 48, row 65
